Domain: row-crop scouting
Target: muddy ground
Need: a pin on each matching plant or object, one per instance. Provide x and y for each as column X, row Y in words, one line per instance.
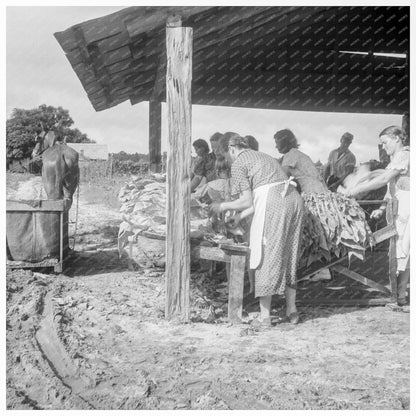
column 95, row 337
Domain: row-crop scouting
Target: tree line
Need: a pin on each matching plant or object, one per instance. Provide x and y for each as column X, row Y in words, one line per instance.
column 23, row 127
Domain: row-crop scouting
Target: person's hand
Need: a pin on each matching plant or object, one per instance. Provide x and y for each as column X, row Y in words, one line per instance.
column 332, row 188
column 233, row 221
column 215, row 208
column 350, row 193
column 200, row 191
column 376, row 214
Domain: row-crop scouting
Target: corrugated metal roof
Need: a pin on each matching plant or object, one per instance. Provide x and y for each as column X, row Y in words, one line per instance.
column 265, row 57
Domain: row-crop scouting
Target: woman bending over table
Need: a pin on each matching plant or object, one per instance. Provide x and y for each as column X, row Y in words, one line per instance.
column 266, row 192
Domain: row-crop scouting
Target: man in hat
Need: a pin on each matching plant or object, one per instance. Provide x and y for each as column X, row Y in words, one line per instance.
column 341, row 163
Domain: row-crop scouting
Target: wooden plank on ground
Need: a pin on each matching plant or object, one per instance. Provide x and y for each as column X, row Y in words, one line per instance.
column 359, row 278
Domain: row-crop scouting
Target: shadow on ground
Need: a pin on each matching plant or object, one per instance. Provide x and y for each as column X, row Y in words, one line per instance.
column 87, row 263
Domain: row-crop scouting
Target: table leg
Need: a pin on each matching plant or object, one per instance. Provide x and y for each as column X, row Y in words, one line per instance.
column 236, row 288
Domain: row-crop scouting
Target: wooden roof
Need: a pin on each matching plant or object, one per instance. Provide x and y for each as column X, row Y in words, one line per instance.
column 260, row 57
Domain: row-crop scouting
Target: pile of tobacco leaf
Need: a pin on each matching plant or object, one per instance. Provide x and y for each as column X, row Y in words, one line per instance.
column 335, row 225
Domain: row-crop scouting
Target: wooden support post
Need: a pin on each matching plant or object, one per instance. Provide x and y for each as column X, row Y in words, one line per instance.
column 179, row 105
column 390, row 214
column 155, row 125
column 236, row 288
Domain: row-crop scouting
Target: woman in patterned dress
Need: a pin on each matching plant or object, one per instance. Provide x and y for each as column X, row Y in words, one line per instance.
column 300, row 166
column 397, row 177
column 265, row 191
column 338, row 238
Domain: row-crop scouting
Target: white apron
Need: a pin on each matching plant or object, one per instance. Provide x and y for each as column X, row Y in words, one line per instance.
column 257, row 224
column 403, row 229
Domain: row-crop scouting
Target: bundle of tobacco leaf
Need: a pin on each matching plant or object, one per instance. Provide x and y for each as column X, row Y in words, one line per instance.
column 143, row 208
column 335, row 225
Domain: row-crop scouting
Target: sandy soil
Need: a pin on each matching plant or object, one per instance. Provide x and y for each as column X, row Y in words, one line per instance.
column 95, row 337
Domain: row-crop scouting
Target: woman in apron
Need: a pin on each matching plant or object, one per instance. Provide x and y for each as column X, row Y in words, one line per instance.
column 266, row 192
column 397, row 177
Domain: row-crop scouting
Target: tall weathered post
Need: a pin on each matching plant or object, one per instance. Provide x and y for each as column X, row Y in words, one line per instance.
column 155, row 126
column 179, row 105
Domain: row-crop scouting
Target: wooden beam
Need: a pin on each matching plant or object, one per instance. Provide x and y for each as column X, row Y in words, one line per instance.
column 179, row 104
column 160, row 80
column 385, row 233
column 359, row 278
column 344, row 302
column 150, row 17
column 155, row 127
column 210, row 253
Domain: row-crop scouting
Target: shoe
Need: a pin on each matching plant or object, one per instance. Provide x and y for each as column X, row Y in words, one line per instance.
column 406, row 308
column 402, row 302
column 294, row 318
column 265, row 323
column 394, row 307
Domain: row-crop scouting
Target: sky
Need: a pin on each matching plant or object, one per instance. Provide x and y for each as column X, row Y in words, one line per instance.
column 37, row 72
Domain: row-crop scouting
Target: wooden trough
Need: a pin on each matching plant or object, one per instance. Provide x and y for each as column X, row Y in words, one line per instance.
column 36, row 234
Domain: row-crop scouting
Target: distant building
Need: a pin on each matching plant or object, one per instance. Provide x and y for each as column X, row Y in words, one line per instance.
column 90, row 151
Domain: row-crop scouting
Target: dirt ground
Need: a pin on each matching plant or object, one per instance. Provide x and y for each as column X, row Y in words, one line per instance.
column 95, row 337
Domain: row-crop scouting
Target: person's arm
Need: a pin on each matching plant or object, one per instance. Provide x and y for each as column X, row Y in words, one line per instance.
column 377, row 213
column 287, row 163
column 245, row 201
column 236, row 218
column 196, row 180
column 325, row 173
column 348, row 170
column 327, row 167
column 375, row 183
column 197, row 173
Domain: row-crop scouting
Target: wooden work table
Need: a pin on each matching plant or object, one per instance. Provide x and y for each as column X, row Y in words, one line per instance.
column 236, row 256
column 233, row 254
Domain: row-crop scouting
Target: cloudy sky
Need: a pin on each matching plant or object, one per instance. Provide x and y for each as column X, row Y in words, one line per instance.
column 37, row 72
